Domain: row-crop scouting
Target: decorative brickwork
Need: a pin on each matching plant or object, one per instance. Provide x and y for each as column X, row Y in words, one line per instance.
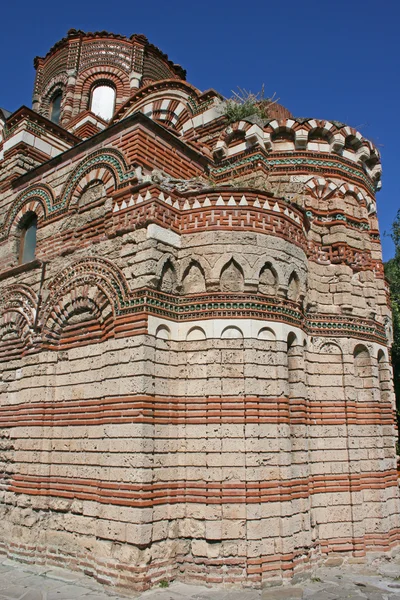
column 194, row 369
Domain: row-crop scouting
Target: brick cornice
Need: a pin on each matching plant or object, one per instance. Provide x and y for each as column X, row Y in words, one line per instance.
column 135, row 119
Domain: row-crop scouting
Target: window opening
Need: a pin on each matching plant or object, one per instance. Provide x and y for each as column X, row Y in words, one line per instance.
column 102, row 101
column 56, row 108
column 28, row 240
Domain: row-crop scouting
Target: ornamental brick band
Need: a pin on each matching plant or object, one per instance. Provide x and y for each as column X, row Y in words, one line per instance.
column 195, row 330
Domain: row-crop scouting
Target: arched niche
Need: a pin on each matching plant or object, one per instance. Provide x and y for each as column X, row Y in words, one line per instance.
column 283, row 140
column 193, row 281
column 363, row 380
column 231, row 332
column 268, row 280
column 168, row 278
column 196, row 334
column 232, row 277
column 163, row 332
column 267, row 334
column 293, row 290
column 92, row 192
column 326, row 373
column 384, row 375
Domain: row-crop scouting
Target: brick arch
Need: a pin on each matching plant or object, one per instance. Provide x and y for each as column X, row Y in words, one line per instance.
column 166, row 91
column 57, row 84
column 37, row 199
column 238, row 128
column 320, row 188
column 93, row 285
column 107, row 165
column 348, row 188
column 172, row 111
column 18, row 307
column 249, row 132
column 83, row 313
column 95, row 75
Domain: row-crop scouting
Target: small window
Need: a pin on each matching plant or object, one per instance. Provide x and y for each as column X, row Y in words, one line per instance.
column 102, row 101
column 55, row 108
column 28, row 239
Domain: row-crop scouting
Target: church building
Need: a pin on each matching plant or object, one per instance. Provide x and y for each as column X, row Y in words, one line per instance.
column 195, row 329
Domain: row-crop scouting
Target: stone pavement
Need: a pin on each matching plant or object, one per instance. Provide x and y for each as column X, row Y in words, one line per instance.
column 379, row 581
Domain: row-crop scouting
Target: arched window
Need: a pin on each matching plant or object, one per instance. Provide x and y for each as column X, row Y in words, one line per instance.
column 55, row 107
column 102, row 101
column 28, row 238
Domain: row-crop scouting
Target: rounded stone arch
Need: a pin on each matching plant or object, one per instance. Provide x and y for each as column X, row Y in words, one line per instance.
column 356, row 201
column 231, row 332
column 353, row 140
column 283, row 137
column 292, row 340
column 18, row 309
column 362, row 365
column 249, row 132
column 278, row 125
column 331, row 348
column 29, row 203
column 107, row 165
column 196, row 334
column 317, row 343
column 266, row 334
column 163, row 332
column 327, row 377
column 89, row 289
column 93, row 76
column 82, row 313
column 358, row 193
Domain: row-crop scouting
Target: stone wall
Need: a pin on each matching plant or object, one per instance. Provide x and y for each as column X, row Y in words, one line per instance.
column 194, row 368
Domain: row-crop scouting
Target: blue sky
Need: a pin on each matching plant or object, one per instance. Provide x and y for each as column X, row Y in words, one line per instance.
column 326, row 59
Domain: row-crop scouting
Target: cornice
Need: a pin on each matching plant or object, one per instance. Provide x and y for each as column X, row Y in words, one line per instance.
column 102, row 136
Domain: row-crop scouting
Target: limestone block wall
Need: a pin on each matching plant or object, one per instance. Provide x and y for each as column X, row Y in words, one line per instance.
column 195, row 379
column 150, row 458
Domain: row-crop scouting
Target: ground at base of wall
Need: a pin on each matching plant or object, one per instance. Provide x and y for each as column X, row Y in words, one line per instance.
column 379, row 580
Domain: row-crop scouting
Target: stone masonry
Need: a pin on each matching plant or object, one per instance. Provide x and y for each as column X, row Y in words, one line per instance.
column 194, row 361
